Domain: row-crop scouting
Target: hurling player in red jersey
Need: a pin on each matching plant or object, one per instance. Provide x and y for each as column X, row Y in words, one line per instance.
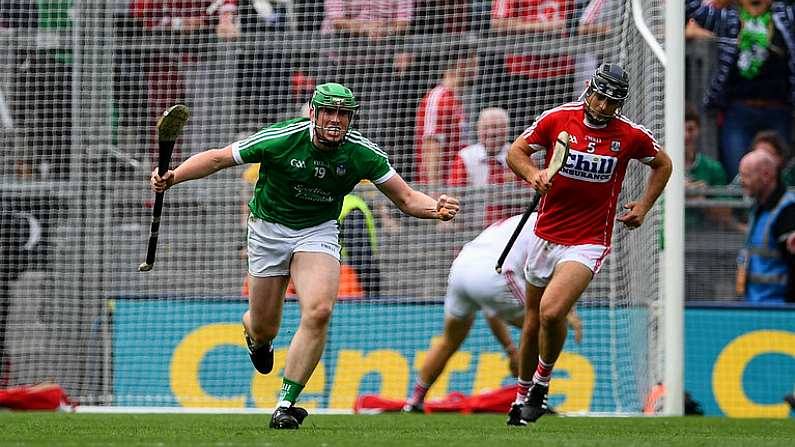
column 575, row 217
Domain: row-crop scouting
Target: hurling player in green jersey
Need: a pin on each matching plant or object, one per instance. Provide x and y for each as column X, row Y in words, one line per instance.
column 307, row 168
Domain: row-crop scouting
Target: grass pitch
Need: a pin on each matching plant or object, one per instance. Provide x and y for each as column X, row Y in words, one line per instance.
column 448, row 430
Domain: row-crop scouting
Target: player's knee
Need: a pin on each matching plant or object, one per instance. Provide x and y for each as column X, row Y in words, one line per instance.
column 552, row 316
column 317, row 316
column 263, row 332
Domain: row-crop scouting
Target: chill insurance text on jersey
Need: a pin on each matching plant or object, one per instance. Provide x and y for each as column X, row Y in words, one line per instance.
column 590, row 165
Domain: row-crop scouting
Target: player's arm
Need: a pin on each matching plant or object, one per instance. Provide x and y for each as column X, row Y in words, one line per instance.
column 575, row 323
column 500, row 331
column 661, row 168
column 196, row 167
column 416, row 203
column 522, row 164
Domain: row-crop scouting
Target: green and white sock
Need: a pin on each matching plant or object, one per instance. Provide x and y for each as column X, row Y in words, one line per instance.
column 289, row 393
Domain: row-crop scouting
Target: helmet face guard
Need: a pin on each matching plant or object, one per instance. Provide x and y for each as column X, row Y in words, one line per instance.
column 610, row 81
column 333, row 96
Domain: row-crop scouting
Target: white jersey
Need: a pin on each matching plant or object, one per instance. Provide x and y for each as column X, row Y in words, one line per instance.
column 474, row 284
column 488, row 245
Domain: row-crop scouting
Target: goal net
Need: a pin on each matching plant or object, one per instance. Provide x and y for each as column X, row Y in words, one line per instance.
column 82, row 83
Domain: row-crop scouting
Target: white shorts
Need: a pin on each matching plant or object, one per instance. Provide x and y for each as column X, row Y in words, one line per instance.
column 271, row 245
column 474, row 286
column 543, row 256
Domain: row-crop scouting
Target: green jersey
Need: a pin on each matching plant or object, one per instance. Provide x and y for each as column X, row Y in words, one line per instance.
column 709, row 171
column 299, row 185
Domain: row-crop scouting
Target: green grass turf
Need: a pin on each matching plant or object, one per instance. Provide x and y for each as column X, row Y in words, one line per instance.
column 449, row 430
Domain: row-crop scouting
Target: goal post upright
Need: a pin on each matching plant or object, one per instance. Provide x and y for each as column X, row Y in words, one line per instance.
column 673, row 253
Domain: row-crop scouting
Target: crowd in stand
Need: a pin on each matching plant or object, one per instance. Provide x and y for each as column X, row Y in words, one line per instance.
column 358, row 43
column 414, row 101
column 363, row 47
column 751, row 90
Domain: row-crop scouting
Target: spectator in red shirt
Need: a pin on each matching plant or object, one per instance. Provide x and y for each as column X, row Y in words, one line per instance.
column 483, row 163
column 441, row 120
column 526, row 81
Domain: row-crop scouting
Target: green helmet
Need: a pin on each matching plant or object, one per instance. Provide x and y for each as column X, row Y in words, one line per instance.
column 335, row 96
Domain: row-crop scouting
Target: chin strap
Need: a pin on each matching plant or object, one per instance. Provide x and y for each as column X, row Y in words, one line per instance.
column 326, row 142
column 316, row 126
column 584, row 99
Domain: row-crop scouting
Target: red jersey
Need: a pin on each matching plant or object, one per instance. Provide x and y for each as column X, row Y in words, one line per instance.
column 580, row 207
column 440, row 116
column 535, row 11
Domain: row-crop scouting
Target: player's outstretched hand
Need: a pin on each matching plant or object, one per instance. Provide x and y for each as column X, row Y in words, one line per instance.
column 540, row 181
column 446, row 207
column 636, row 213
column 160, row 184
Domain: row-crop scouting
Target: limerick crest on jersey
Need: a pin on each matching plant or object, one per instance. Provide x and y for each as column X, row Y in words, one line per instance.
column 341, row 170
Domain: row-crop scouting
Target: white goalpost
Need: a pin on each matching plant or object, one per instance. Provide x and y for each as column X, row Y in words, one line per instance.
column 674, row 259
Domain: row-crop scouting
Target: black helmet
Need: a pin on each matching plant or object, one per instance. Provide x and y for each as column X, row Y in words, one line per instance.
column 611, row 80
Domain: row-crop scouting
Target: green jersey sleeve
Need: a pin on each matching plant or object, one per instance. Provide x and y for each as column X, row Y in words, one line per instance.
column 375, row 164
column 262, row 145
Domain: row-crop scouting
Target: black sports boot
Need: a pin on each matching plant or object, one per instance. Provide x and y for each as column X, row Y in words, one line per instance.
column 536, row 404
column 515, row 416
column 288, row 418
column 261, row 356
